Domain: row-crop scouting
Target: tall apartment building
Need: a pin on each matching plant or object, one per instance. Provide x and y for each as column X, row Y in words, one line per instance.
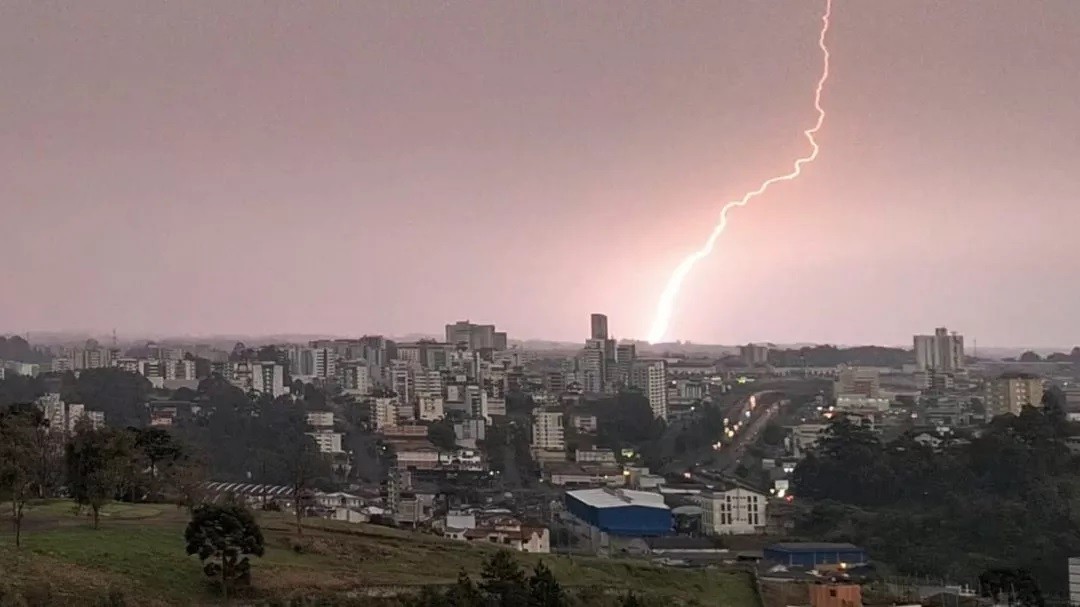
column 754, row 354
column 857, row 380
column 301, row 361
column 268, row 378
column 354, row 377
column 400, row 378
column 942, row 352
column 384, row 412
column 475, row 337
column 1010, row 393
column 427, row 382
column 598, row 325
column 591, row 365
column 547, row 430
column 650, row 376
column 324, row 362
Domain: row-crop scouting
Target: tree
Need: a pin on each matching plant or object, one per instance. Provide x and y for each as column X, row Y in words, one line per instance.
column 224, row 537
column 99, row 463
column 17, row 453
column 544, row 589
column 504, row 581
column 441, row 434
column 156, row 446
column 1011, row 585
column 464, row 593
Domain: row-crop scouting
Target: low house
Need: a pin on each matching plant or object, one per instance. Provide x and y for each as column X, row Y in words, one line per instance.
column 510, row 533
column 590, row 475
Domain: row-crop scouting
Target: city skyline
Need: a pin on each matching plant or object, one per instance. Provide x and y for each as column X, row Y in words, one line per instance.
column 195, row 170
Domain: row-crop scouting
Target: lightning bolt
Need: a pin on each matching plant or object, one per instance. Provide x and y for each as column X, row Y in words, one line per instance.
column 666, row 306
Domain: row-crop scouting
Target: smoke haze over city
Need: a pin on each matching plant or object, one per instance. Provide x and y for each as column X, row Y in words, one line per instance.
column 385, row 167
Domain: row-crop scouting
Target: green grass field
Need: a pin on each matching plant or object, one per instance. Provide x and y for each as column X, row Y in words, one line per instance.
column 139, row 552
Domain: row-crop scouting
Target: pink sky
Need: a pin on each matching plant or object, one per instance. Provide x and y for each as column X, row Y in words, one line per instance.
column 363, row 167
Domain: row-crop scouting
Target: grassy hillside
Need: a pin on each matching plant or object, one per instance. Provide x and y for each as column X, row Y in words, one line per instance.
column 139, row 553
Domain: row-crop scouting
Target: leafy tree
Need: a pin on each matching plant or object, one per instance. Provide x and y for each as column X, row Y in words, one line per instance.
column 441, row 434
column 18, row 428
column 224, row 537
column 504, row 581
column 120, row 394
column 1011, row 585
column 464, row 593
column 773, row 434
column 544, row 589
column 156, row 446
column 99, row 464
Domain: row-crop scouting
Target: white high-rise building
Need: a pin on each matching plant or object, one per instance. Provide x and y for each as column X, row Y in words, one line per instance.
column 942, row 352
column 591, row 368
column 547, row 430
column 384, row 412
column 324, row 362
column 355, row 378
column 650, row 376
column 428, row 383
column 268, row 378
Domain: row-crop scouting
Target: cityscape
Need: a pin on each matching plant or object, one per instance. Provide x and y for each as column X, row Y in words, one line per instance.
column 539, row 304
column 612, row 449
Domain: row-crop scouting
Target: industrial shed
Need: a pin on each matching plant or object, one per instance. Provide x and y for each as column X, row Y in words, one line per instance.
column 816, row 554
column 621, row 512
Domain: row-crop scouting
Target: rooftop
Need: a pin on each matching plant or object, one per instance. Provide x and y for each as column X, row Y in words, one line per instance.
column 814, row 547
column 617, row 498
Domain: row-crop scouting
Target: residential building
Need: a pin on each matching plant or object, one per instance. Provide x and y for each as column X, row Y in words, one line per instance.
column 476, row 401
column 324, row 362
column 475, row 337
column 511, row 534
column 383, row 412
column 591, row 365
column 427, row 382
column 355, row 377
column 419, row 455
column 469, row 431
column 327, row 440
column 429, row 408
column 942, row 351
column 1011, row 392
column 547, row 430
column 804, row 437
column 1074, row 580
column 754, row 355
column 584, row 423
column 594, row 456
column 736, row 511
column 320, row 419
column 650, row 376
column 860, row 381
column 598, row 325
column 268, row 378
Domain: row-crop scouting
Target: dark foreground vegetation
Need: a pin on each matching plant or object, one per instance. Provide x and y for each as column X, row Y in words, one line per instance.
column 1004, row 503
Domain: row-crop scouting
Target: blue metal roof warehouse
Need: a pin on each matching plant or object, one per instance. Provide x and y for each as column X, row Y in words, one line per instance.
column 621, row 512
column 812, row 554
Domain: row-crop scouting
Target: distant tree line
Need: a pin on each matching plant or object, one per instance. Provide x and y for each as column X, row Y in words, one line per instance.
column 830, row 356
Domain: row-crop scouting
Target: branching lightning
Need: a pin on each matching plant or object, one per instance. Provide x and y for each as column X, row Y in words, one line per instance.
column 665, row 308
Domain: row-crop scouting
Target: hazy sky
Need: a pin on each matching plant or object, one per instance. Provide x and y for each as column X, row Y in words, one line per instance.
column 209, row 166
